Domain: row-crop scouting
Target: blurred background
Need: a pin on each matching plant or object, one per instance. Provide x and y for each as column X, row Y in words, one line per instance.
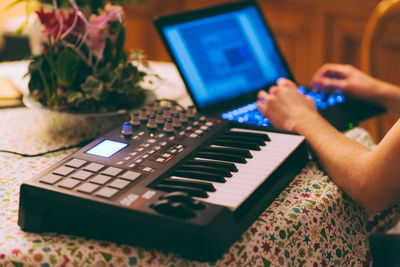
column 309, row 32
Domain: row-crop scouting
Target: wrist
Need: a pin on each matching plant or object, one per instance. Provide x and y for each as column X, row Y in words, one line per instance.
column 305, row 121
column 389, row 96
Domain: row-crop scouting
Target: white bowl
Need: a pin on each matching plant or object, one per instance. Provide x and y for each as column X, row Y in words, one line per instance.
column 73, row 125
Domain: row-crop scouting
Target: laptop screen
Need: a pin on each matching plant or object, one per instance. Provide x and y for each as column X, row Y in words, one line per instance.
column 224, row 53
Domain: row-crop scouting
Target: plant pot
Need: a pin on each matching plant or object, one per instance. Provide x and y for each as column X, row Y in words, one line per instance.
column 77, row 126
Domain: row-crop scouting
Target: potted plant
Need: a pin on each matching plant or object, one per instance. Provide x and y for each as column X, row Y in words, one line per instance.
column 83, row 67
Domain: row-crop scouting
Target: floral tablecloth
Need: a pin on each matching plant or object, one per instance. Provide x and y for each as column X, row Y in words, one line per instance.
column 312, row 223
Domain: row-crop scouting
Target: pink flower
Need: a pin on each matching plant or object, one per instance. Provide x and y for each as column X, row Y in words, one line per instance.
column 59, row 24
column 99, row 28
column 114, row 12
column 51, row 22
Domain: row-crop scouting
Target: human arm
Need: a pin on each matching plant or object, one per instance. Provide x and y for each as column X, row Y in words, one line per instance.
column 370, row 177
column 353, row 81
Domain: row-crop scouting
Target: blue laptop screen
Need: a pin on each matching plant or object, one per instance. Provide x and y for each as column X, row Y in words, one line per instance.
column 225, row 56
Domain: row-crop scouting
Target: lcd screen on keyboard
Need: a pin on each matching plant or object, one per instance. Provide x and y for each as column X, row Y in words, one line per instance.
column 226, row 56
column 106, row 148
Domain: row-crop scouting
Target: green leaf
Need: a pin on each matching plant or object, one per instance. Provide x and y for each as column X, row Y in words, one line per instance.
column 313, row 202
column 74, row 96
column 323, row 233
column 21, row 28
column 67, row 65
column 120, row 44
column 290, row 233
column 316, row 186
column 93, row 88
column 17, row 264
column 106, row 256
column 297, row 226
column 248, row 236
column 266, row 262
column 53, row 259
column 282, row 234
column 141, row 253
column 301, row 262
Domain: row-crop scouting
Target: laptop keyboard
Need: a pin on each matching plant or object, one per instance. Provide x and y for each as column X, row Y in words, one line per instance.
column 251, row 115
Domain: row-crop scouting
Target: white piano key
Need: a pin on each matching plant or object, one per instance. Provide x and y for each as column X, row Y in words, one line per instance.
column 252, row 174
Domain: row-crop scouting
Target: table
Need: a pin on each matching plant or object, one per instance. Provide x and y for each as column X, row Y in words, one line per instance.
column 311, row 223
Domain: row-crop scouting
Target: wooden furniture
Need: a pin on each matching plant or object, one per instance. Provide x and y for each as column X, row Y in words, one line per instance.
column 309, row 32
column 375, row 29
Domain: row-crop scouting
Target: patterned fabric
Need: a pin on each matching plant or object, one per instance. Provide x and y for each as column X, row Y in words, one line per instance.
column 311, row 223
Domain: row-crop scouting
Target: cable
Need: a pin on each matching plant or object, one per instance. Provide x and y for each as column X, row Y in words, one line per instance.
column 80, row 144
column 173, row 102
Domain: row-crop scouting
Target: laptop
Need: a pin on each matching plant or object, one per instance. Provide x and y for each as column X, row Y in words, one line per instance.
column 225, row 54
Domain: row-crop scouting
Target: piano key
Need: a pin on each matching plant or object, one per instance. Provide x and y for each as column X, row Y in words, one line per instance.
column 237, row 144
column 255, row 171
column 228, row 150
column 201, row 175
column 254, row 165
column 247, row 134
column 197, row 167
column 227, row 137
column 226, row 165
column 190, row 190
column 220, row 156
column 240, row 184
column 206, row 186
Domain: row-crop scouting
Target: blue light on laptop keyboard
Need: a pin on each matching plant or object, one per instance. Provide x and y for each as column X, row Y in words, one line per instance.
column 247, row 114
column 251, row 115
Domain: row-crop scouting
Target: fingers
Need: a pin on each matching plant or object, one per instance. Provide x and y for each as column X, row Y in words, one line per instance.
column 329, row 83
column 285, row 82
column 333, row 71
column 263, row 97
column 282, row 84
column 262, row 94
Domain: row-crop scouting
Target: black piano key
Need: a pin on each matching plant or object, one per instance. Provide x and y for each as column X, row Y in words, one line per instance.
column 210, row 169
column 237, row 144
column 229, row 151
column 205, row 186
column 261, row 136
column 190, row 190
column 221, row 156
column 227, row 137
column 201, row 175
column 224, row 165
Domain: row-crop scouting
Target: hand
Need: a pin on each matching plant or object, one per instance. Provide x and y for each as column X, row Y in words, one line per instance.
column 284, row 105
column 347, row 78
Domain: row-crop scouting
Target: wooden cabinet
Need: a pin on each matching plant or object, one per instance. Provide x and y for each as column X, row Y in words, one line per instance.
column 309, row 32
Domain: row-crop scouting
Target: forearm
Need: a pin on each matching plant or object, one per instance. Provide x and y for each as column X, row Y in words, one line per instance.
column 345, row 160
column 388, row 96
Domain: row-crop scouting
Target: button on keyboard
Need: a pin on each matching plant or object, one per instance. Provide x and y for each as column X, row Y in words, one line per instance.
column 106, row 192
column 87, row 188
column 100, row 179
column 119, row 184
column 94, row 167
column 69, row 183
column 112, row 171
column 131, row 176
column 63, row 170
column 81, row 175
column 91, row 178
column 76, row 163
column 50, row 179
